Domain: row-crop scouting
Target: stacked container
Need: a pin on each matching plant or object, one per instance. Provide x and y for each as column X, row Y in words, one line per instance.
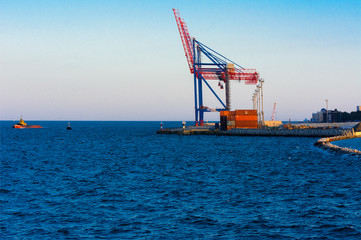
column 238, row 119
column 246, row 119
column 231, row 120
column 224, row 118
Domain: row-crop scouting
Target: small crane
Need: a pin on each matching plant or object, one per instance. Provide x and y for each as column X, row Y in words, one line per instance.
column 274, row 112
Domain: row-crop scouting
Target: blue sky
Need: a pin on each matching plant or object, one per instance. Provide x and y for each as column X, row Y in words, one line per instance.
column 123, row 60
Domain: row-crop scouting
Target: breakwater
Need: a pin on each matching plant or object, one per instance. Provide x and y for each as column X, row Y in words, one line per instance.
column 257, row 132
column 326, row 143
column 287, row 132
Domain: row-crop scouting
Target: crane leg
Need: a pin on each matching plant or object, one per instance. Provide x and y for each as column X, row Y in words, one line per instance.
column 228, row 94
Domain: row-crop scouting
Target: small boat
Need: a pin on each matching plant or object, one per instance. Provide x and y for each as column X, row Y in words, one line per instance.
column 22, row 124
column 68, row 127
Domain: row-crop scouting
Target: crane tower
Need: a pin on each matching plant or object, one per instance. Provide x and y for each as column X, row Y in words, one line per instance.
column 217, row 67
column 274, row 112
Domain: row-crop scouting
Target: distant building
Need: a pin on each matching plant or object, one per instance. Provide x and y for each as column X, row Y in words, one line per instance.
column 332, row 116
column 317, row 117
column 358, row 108
column 272, row 123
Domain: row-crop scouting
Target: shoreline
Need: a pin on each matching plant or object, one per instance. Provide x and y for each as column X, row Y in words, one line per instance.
column 325, row 143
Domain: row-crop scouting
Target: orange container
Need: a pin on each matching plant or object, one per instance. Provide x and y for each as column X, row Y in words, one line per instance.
column 246, row 124
column 246, row 118
column 246, row 112
column 246, row 127
column 224, row 113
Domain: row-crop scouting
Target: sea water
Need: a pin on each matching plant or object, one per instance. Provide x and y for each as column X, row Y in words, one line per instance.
column 353, row 143
column 120, row 180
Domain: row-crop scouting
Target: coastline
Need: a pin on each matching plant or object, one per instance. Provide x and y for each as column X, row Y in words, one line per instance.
column 325, row 143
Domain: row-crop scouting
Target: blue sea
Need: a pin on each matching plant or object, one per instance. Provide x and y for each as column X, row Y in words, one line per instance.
column 120, row 180
column 354, row 143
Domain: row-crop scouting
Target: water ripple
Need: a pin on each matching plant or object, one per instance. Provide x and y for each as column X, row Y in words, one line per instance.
column 119, row 180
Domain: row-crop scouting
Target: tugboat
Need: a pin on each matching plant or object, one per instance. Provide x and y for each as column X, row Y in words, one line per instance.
column 22, row 124
column 68, row 127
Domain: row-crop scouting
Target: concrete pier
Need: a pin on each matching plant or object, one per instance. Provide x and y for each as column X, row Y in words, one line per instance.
column 257, row 132
column 327, row 135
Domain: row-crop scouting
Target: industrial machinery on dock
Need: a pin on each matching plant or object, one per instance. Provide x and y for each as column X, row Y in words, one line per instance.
column 217, row 67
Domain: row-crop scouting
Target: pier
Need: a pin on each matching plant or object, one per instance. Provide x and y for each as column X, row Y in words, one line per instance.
column 207, row 130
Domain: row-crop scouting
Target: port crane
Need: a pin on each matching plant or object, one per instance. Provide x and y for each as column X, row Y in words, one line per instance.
column 274, row 112
column 217, row 67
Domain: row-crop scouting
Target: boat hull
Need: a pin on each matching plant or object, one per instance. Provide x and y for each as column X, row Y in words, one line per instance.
column 26, row 126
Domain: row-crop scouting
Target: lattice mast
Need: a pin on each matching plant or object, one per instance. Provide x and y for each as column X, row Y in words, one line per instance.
column 218, row 68
column 186, row 39
column 274, row 112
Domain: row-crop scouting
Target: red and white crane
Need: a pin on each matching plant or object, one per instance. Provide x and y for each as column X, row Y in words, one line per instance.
column 274, row 112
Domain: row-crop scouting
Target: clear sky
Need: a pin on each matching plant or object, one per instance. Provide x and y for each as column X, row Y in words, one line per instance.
column 123, row 60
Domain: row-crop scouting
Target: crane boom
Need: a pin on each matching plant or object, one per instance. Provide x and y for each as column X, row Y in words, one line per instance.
column 186, row 39
column 216, row 67
column 274, row 112
column 250, row 76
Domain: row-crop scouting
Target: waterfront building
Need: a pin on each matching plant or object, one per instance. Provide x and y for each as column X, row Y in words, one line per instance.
column 332, row 116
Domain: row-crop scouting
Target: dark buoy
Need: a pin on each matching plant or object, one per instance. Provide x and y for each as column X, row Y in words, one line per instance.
column 68, row 127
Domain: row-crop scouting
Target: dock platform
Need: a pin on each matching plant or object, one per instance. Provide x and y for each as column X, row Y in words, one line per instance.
column 301, row 132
